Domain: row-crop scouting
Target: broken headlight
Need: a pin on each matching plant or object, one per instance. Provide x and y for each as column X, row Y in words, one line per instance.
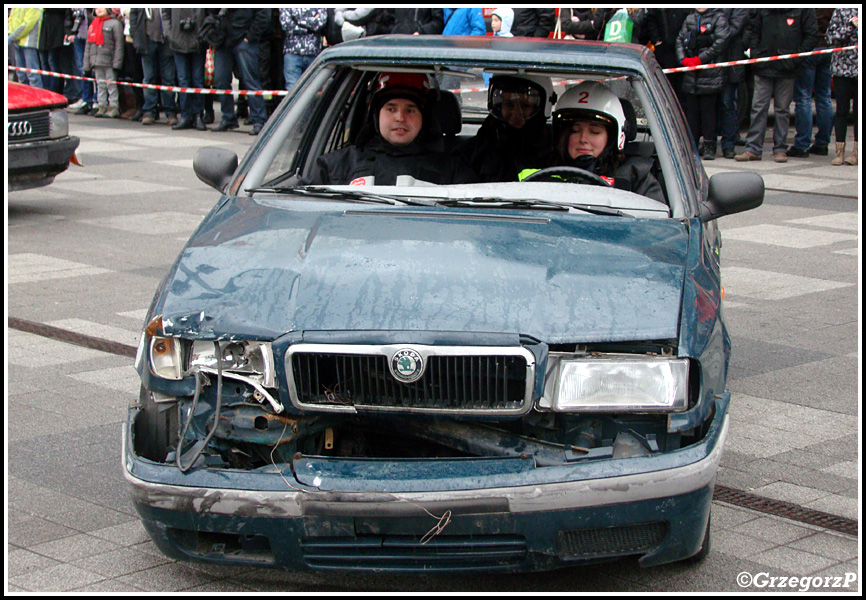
column 621, row 384
column 253, row 359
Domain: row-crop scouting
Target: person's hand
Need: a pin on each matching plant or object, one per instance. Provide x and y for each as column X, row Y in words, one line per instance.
column 855, row 21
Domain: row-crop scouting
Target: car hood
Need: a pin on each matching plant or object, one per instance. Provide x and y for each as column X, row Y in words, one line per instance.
column 23, row 97
column 259, row 270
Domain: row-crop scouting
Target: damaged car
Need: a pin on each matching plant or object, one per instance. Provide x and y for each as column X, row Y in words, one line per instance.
column 496, row 376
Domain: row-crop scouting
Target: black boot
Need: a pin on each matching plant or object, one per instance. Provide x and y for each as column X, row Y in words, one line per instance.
column 709, row 151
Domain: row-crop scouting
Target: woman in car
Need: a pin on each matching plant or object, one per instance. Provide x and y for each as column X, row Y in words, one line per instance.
column 589, row 129
column 399, row 141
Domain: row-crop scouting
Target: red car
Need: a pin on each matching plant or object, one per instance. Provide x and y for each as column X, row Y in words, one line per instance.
column 39, row 144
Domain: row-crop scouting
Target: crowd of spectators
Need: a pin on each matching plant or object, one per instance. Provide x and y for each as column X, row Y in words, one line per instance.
column 269, row 49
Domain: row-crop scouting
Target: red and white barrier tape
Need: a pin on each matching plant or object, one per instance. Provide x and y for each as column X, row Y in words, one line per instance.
column 181, row 90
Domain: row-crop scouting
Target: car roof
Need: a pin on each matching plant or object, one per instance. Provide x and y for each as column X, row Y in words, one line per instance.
column 439, row 49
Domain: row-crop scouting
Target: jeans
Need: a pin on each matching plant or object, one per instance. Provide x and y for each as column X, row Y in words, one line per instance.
column 814, row 76
column 294, row 66
column 158, row 67
column 86, row 88
column 729, row 115
column 246, row 57
column 781, row 91
column 28, row 58
column 190, row 74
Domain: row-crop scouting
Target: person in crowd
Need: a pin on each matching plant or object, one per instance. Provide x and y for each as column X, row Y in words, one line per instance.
column 363, row 22
column 814, row 80
column 702, row 41
column 662, row 26
column 157, row 62
column 244, row 28
column 54, row 54
column 582, row 23
column 589, row 128
column 460, row 21
column 775, row 32
column 399, row 140
column 533, row 22
column 76, row 34
column 103, row 55
column 131, row 71
column 843, row 31
column 23, row 32
column 729, row 113
column 418, row 21
column 515, row 135
column 182, row 27
column 501, row 21
column 302, row 40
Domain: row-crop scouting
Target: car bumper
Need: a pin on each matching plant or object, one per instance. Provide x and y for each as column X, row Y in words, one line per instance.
column 34, row 164
column 654, row 507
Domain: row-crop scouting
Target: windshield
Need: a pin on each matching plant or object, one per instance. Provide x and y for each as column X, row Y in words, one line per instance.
column 482, row 132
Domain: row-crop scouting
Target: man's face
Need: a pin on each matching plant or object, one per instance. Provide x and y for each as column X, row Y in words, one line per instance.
column 518, row 108
column 400, row 121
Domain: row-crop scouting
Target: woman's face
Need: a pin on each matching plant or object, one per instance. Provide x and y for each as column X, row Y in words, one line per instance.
column 101, row 12
column 587, row 138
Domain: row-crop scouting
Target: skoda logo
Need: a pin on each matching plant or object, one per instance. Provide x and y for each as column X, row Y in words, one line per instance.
column 407, row 365
column 19, row 128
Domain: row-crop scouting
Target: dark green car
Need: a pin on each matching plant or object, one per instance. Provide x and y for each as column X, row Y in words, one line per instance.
column 423, row 376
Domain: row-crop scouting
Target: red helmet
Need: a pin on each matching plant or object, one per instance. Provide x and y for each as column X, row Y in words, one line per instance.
column 414, row 86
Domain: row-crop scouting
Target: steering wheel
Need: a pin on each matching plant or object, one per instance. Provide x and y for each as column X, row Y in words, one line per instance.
column 569, row 174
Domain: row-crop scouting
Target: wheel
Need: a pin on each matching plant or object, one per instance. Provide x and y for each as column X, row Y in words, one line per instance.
column 568, row 174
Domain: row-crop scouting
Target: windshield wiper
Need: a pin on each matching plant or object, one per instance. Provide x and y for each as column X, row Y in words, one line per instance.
column 543, row 204
column 352, row 195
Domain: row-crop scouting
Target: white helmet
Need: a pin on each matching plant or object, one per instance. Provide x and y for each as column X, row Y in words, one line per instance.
column 538, row 90
column 596, row 102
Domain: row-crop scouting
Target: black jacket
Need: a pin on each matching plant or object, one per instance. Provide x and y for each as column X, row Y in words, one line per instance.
column 737, row 20
column 385, row 162
column 426, row 21
column 706, row 37
column 533, row 22
column 779, row 31
column 499, row 153
column 661, row 26
column 589, row 27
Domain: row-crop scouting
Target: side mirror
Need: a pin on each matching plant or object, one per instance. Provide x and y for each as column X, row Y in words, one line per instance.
column 215, row 166
column 731, row 193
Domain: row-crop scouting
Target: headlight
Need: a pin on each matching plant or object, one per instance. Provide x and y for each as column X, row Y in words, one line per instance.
column 166, row 357
column 58, row 124
column 246, row 358
column 621, row 384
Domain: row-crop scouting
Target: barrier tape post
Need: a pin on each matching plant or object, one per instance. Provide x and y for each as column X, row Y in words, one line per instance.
column 208, row 91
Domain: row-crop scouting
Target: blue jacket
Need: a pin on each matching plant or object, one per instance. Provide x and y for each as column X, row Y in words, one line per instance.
column 463, row 21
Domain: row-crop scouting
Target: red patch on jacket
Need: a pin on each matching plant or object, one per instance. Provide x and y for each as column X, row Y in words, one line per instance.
column 790, row 22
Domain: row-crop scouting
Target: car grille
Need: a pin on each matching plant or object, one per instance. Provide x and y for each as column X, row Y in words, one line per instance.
column 608, row 542
column 28, row 127
column 451, row 384
column 404, row 553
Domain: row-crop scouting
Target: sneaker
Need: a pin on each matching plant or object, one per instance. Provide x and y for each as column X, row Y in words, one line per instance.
column 84, row 109
column 93, row 110
column 780, row 157
column 746, row 156
column 798, row 152
column 148, row 119
column 100, row 112
column 77, row 105
column 817, row 150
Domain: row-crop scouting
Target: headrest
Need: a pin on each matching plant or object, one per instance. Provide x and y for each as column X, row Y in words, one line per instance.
column 630, row 119
column 446, row 111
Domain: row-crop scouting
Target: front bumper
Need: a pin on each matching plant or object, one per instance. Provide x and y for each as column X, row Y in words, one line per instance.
column 655, row 507
column 34, row 164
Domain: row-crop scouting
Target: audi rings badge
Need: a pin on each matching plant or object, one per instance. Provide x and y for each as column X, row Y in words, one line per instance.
column 19, row 128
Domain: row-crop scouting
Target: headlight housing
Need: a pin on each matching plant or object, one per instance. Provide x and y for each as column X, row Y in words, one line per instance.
column 58, row 124
column 620, row 384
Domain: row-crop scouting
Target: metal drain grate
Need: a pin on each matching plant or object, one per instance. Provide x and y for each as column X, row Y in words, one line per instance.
column 788, row 510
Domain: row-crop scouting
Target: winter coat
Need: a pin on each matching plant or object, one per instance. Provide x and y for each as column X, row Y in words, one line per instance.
column 506, row 19
column 533, row 22
column 384, row 161
column 590, row 25
column 840, row 33
column 110, row 54
column 426, row 21
column 183, row 42
column 464, row 21
column 303, row 29
column 254, row 24
column 375, row 21
column 662, row 26
column 779, row 31
column 703, row 35
column 736, row 49
column 53, row 28
column 24, row 26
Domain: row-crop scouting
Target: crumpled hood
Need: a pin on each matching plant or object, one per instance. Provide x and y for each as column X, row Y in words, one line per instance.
column 259, row 271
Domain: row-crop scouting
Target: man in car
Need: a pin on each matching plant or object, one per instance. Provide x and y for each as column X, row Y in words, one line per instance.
column 515, row 136
column 398, row 140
